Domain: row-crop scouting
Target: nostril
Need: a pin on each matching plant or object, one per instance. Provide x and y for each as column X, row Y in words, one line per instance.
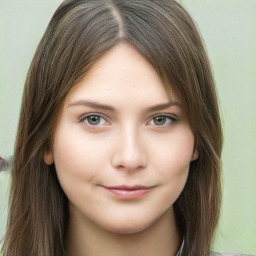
column 129, row 168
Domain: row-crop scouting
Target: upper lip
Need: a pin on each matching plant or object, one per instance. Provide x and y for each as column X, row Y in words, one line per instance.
column 127, row 187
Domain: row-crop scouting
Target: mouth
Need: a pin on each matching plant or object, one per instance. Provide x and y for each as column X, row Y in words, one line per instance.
column 129, row 192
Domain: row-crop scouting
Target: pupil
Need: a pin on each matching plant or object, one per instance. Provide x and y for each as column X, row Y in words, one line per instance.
column 94, row 120
column 159, row 120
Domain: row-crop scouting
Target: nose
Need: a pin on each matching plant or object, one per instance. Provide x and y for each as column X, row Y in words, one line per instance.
column 129, row 153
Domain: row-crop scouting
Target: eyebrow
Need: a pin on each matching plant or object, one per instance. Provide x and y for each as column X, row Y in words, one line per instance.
column 97, row 105
column 163, row 106
column 92, row 104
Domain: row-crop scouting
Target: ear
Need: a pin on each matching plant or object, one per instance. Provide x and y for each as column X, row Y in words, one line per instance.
column 195, row 155
column 48, row 157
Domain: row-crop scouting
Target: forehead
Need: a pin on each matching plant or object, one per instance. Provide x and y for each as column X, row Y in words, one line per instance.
column 122, row 73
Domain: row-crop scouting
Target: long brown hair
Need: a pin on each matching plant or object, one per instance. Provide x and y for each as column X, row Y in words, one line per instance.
column 79, row 33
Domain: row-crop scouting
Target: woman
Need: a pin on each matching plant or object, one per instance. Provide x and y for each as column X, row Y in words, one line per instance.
column 119, row 141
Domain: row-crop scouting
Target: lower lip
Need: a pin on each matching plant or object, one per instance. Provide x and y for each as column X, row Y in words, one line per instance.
column 129, row 194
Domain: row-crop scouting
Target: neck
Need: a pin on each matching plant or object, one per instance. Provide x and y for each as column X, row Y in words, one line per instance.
column 86, row 238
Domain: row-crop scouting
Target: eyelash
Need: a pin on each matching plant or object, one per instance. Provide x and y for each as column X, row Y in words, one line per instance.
column 169, row 117
column 85, row 118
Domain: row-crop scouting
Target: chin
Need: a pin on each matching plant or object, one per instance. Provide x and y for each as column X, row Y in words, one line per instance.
column 132, row 226
column 128, row 229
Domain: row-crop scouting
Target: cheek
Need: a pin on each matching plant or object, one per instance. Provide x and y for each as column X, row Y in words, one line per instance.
column 174, row 153
column 81, row 160
column 75, row 155
column 78, row 162
column 172, row 161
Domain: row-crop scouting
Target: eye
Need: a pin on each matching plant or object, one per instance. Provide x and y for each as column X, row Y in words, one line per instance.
column 162, row 120
column 94, row 120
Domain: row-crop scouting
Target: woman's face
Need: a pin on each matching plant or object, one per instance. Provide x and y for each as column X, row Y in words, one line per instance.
column 122, row 147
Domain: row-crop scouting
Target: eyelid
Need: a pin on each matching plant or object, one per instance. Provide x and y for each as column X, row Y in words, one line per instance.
column 169, row 115
column 172, row 117
column 83, row 117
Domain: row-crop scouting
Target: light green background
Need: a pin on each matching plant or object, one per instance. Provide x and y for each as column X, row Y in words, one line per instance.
column 229, row 30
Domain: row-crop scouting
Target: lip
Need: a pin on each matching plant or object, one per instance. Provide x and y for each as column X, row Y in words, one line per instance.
column 125, row 192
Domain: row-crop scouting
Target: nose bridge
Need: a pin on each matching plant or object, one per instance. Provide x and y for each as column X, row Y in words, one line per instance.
column 129, row 153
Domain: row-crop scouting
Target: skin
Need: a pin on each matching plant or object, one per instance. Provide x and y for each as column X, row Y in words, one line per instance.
column 123, row 144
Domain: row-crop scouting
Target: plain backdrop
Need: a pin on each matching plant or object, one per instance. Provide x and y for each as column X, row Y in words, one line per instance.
column 229, row 30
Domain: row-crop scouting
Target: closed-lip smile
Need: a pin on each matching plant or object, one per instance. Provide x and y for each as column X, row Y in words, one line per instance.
column 126, row 192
